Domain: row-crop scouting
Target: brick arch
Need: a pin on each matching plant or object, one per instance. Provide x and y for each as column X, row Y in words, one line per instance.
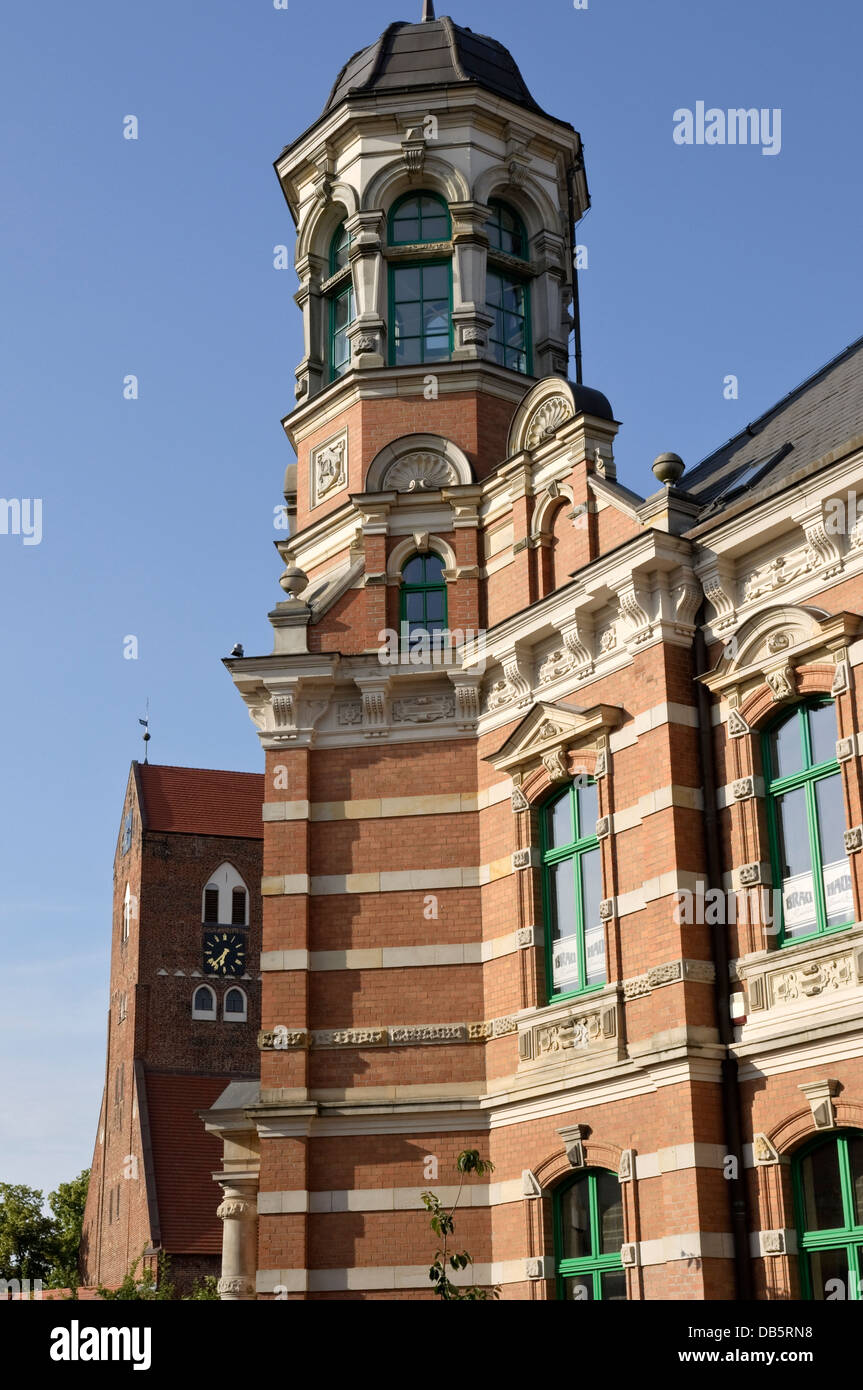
column 759, row 706
column 552, row 1171
column 792, row 1132
column 538, row 783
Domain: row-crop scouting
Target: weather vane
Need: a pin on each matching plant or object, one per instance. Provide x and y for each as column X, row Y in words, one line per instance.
column 146, row 725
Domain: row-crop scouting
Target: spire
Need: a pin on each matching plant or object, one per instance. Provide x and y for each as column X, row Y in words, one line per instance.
column 428, row 11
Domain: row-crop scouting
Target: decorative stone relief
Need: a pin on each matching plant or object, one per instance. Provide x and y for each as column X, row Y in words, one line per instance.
column 235, row 1208
column 467, row 702
column 629, row 1255
column 545, row 420
column 718, row 590
column 749, row 874
column 631, row 600
column 329, row 467
column 840, row 678
column 779, row 572
column 781, row 682
column 349, row 1037
column 811, row 979
column 238, row 1287
column 743, row 788
column 608, row 639
column 772, row 1242
column 555, row 765
column 279, row 1039
column 530, row 1184
column 375, row 713
column 428, row 1033
column 523, row 858
column 420, row 472
column 763, row 1151
column 737, row 725
column 603, row 827
column 519, row 800
column 627, row 1166
column 535, row 1267
column 557, row 663
column 523, row 937
column 844, row 749
column 350, row 712
column 600, row 767
column 853, row 839
column 606, row 909
column 423, row 709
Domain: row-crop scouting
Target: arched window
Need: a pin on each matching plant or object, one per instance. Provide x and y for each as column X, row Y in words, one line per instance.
column 204, row 1003
column 416, row 218
column 423, row 594
column 806, row 822
column 507, row 292
column 226, row 898
column 572, row 891
column 420, row 291
column 588, row 1234
column 235, row 1007
column 341, row 304
column 828, row 1196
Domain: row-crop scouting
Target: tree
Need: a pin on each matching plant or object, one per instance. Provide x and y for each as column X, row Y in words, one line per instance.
column 25, row 1233
column 67, row 1205
column 443, row 1225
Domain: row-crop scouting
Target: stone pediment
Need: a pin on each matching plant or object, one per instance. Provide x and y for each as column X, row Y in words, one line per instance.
column 550, row 727
column 779, row 635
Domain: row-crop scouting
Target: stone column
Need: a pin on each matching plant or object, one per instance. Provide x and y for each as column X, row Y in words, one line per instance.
column 239, row 1213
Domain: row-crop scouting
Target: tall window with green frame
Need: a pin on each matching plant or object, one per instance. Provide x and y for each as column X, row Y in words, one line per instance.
column 423, row 595
column 507, row 293
column 572, row 891
column 806, row 822
column 828, row 1198
column 421, row 291
column 341, row 302
column 588, row 1234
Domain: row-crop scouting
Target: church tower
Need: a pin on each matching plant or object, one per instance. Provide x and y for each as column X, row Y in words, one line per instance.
column 480, row 632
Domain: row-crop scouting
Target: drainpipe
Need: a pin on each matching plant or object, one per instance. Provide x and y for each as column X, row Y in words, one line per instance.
column 731, row 1109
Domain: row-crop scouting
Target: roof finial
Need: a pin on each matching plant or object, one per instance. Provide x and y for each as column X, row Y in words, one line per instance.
column 146, row 734
column 428, row 11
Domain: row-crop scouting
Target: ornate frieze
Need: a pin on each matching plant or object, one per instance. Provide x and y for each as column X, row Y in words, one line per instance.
column 669, row 973
column 423, row 709
column 569, row 1033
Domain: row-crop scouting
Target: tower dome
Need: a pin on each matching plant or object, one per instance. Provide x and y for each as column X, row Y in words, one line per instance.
column 434, row 53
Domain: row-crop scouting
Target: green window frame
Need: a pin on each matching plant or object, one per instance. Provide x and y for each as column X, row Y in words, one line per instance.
column 828, row 1187
column 505, row 230
column 805, row 822
column 341, row 306
column 588, row 1215
column 420, row 312
column 575, row 957
column 418, row 218
column 507, row 294
column 423, row 601
column 508, row 301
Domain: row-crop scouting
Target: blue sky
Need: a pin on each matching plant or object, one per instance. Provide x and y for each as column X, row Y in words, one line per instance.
column 155, row 257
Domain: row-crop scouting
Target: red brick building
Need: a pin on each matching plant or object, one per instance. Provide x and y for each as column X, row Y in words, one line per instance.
column 186, row 871
column 519, row 886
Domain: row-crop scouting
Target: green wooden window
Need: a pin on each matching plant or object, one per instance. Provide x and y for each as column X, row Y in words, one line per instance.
column 341, row 306
column 507, row 300
column 420, row 313
column 572, row 891
column 418, row 218
column 423, row 594
column 588, row 1234
column 828, row 1197
column 505, row 230
column 806, row 821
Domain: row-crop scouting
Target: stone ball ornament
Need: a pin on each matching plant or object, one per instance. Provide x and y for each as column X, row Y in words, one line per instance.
column 668, row 468
column 294, row 581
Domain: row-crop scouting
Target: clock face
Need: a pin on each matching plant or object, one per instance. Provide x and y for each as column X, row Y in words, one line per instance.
column 224, row 953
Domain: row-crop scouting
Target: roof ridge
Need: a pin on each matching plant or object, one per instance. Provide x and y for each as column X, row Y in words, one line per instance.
column 178, row 767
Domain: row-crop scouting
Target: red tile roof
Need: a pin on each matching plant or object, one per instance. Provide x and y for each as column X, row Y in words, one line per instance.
column 185, row 1157
column 201, row 801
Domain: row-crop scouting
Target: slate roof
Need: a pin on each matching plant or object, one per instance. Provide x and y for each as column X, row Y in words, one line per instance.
column 433, row 54
column 818, row 416
column 185, row 1157
column 200, row 801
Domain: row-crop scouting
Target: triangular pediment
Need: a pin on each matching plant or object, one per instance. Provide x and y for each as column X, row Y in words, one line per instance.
column 548, row 726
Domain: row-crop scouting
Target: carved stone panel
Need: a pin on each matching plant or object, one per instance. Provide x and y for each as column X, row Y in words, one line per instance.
column 329, row 468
